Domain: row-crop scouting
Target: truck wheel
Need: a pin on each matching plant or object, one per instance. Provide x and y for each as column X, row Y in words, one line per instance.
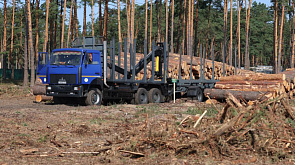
column 141, row 96
column 155, row 95
column 94, row 97
column 200, row 95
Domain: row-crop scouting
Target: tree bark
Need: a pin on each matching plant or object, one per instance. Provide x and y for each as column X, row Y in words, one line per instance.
column 151, row 25
column 76, row 19
column 225, row 24
column 247, row 60
column 196, row 27
column 128, row 23
column 281, row 39
column 183, row 28
column 70, row 24
column 119, row 24
column 46, row 27
column 293, row 37
column 231, row 34
column 100, row 19
column 92, row 21
column 172, row 29
column 84, row 20
column 11, row 40
column 26, row 72
column 223, row 94
column 132, row 22
column 239, row 33
column 63, row 24
column 146, row 21
column 105, row 26
column 159, row 15
column 5, row 41
column 166, row 9
column 276, row 36
column 31, row 48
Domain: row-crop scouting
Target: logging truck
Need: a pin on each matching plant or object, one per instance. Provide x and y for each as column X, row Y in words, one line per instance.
column 94, row 72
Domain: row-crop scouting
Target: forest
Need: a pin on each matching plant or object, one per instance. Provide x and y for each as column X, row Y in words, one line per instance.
column 256, row 33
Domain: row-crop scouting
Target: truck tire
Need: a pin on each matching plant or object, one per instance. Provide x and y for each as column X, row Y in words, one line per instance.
column 141, row 96
column 94, row 97
column 155, row 95
column 200, row 95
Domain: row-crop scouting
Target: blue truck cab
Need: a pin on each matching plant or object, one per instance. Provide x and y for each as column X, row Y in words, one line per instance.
column 72, row 72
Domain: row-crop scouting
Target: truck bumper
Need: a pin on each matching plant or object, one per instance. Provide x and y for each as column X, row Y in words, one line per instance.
column 64, row 90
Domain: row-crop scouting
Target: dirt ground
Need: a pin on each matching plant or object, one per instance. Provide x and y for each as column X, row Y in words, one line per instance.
column 44, row 133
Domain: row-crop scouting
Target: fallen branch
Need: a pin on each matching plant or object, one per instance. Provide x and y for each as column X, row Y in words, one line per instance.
column 134, row 153
column 289, row 111
column 200, row 119
column 190, row 132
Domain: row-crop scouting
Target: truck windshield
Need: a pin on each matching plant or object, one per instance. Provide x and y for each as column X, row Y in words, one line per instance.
column 65, row 58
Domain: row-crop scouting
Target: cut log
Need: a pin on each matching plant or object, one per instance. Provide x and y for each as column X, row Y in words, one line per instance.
column 43, row 98
column 223, row 94
column 254, row 77
column 39, row 89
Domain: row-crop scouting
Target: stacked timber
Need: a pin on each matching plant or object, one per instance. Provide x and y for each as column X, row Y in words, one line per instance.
column 253, row 86
column 186, row 65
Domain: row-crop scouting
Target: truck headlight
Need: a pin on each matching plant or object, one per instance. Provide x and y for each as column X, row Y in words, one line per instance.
column 44, row 80
column 76, row 88
column 48, row 88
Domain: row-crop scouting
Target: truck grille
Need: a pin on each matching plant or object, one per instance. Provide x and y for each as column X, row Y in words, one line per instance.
column 63, row 79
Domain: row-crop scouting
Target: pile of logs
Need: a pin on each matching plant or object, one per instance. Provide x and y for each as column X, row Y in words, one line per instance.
column 252, row 86
column 186, row 65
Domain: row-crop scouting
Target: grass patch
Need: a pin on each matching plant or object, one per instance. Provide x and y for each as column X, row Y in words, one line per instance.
column 97, row 121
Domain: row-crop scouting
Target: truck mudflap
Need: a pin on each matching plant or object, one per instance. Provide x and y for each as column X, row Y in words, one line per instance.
column 64, row 90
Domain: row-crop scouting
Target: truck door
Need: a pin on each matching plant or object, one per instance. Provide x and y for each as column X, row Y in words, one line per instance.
column 42, row 65
column 91, row 68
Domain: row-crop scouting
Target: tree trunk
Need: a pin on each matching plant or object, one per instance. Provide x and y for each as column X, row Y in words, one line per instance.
column 92, row 21
column 84, row 20
column 11, row 43
column 166, row 7
column 100, row 19
column 159, row 11
column 239, row 33
column 105, row 26
column 196, row 27
column 231, row 34
column 172, row 29
column 76, row 19
column 132, row 22
column 26, row 72
column 151, row 25
column 247, row 60
column 146, row 21
column 276, row 36
column 55, row 27
column 119, row 23
column 192, row 28
column 70, row 24
column 183, row 28
column 31, row 48
column 63, row 24
column 37, row 29
column 293, row 38
column 225, row 24
column 46, row 27
column 281, row 39
column 223, row 94
column 5, row 41
column 128, row 23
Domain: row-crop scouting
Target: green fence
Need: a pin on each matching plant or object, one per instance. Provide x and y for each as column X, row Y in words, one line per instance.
column 18, row 74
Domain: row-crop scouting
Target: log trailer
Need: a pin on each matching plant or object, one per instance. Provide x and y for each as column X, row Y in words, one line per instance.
column 93, row 72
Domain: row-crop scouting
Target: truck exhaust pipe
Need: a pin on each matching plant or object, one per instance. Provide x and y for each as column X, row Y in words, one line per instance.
column 105, row 63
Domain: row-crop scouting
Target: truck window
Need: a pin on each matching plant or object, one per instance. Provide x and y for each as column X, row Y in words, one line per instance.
column 65, row 58
column 91, row 58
